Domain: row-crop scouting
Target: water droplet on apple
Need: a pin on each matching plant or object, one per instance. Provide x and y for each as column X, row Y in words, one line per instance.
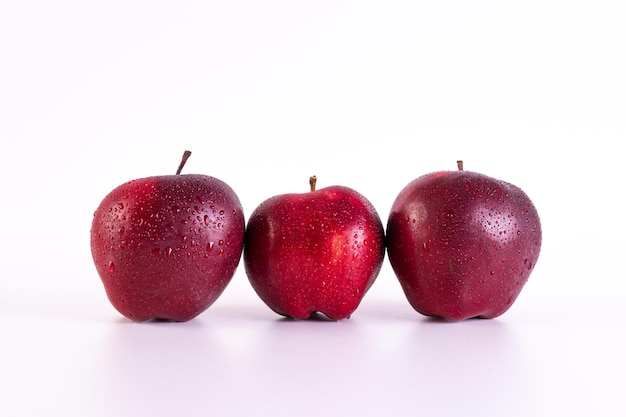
column 492, row 273
column 220, row 242
column 426, row 247
column 221, row 212
column 206, row 219
column 167, row 252
column 121, row 230
column 209, row 247
column 111, row 266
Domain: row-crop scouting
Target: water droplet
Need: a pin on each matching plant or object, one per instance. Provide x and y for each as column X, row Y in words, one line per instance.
column 206, row 219
column 120, row 206
column 209, row 247
column 111, row 266
column 167, row 252
column 121, row 230
column 426, row 247
column 492, row 273
column 220, row 242
column 221, row 212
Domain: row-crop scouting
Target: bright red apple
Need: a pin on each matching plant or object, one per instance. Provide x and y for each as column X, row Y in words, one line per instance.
column 166, row 246
column 462, row 244
column 315, row 252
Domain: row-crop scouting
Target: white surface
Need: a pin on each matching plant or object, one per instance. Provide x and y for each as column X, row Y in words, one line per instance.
column 364, row 94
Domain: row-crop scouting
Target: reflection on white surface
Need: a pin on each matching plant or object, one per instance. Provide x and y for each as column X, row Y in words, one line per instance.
column 272, row 366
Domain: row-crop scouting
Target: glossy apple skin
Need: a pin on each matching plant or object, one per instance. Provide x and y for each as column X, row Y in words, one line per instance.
column 462, row 244
column 314, row 252
column 166, row 247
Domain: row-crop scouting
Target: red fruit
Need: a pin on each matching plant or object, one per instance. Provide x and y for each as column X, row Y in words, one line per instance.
column 314, row 252
column 167, row 246
column 462, row 244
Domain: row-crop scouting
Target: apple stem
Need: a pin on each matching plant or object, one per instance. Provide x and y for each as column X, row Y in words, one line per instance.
column 459, row 165
column 186, row 156
column 312, row 182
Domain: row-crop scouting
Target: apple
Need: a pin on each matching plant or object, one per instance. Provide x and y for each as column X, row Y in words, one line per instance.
column 167, row 246
column 462, row 244
column 314, row 252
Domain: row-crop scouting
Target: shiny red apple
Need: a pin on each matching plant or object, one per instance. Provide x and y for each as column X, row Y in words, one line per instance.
column 462, row 244
column 166, row 246
column 314, row 252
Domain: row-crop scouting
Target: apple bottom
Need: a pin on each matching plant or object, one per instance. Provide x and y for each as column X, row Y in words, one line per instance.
column 300, row 294
column 456, row 301
column 163, row 296
column 462, row 278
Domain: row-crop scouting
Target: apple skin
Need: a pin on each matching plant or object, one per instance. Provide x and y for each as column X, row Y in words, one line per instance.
column 315, row 252
column 167, row 246
column 462, row 244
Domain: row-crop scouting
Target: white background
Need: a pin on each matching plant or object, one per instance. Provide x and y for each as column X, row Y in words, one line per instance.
column 266, row 93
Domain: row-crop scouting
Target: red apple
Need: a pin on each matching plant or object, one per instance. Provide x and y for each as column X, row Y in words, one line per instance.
column 316, row 252
column 166, row 246
column 462, row 244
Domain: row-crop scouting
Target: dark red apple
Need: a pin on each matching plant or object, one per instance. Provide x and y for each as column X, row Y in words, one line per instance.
column 462, row 244
column 166, row 246
column 315, row 252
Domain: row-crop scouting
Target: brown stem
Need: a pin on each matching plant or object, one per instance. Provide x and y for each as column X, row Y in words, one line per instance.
column 312, row 182
column 186, row 156
column 459, row 165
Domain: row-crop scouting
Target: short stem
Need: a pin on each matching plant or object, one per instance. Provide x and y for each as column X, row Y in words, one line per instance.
column 186, row 156
column 459, row 165
column 312, row 182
